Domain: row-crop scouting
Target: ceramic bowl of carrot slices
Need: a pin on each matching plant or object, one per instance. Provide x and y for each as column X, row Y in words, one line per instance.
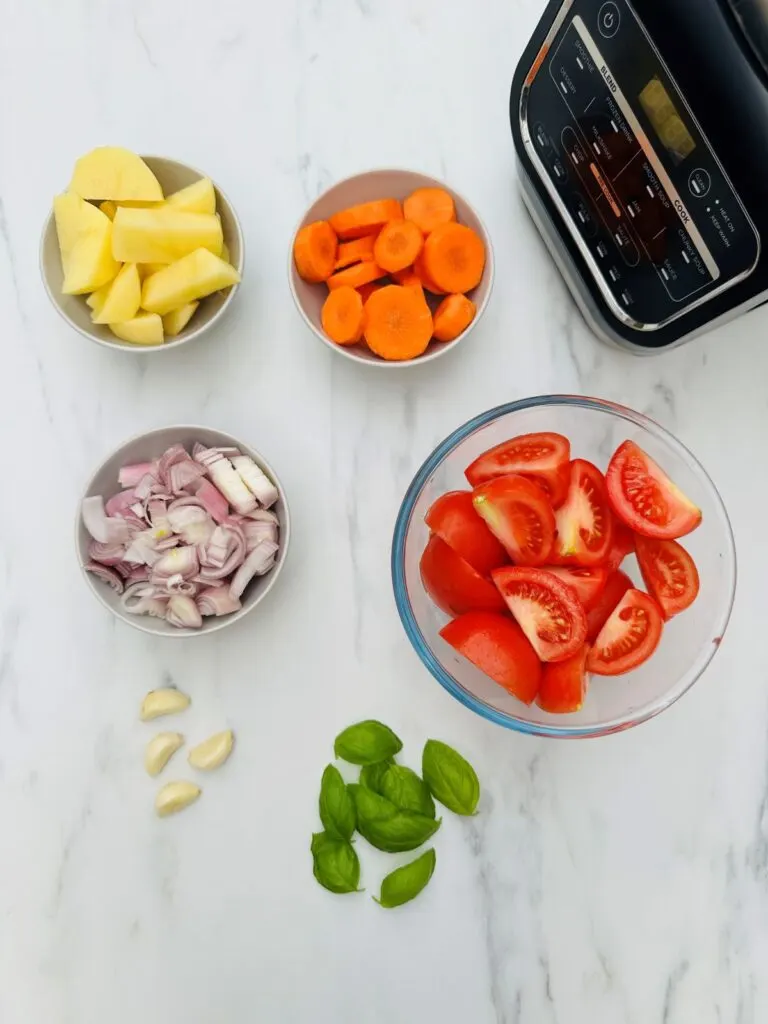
column 391, row 268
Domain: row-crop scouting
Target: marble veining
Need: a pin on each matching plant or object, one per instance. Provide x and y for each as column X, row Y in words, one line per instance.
column 622, row 881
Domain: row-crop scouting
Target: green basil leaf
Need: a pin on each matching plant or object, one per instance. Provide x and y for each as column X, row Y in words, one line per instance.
column 407, row 882
column 335, row 863
column 451, row 779
column 367, row 743
column 406, row 790
column 337, row 812
column 372, row 774
column 385, row 826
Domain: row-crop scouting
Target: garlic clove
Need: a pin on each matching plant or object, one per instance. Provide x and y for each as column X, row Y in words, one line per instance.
column 163, row 702
column 175, row 796
column 213, row 752
column 160, row 750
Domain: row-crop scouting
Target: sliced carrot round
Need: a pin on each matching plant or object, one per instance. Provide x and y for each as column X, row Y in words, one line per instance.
column 365, row 291
column 454, row 257
column 397, row 245
column 453, row 316
column 409, row 279
column 421, row 272
column 354, row 252
column 314, row 251
column 429, row 208
column 397, row 323
column 342, row 316
column 365, row 218
column 356, row 275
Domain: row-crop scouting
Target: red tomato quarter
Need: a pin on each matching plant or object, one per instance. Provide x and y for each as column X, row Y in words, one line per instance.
column 584, row 520
column 670, row 574
column 629, row 637
column 454, row 520
column 564, row 685
column 453, row 584
column 623, row 544
column 548, row 610
column 645, row 498
column 555, row 486
column 540, row 455
column 588, row 583
column 499, row 648
column 519, row 515
column 616, row 586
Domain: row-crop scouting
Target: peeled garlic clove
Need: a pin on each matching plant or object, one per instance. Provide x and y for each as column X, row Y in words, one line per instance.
column 160, row 750
column 175, row 796
column 163, row 702
column 213, row 752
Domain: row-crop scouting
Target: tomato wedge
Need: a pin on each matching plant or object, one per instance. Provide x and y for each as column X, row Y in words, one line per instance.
column 629, row 637
column 623, row 544
column 453, row 584
column 670, row 574
column 588, row 583
column 519, row 515
column 454, row 520
column 548, row 610
column 555, row 486
column 564, row 684
column 616, row 586
column 643, row 496
column 540, row 455
column 499, row 648
column 584, row 520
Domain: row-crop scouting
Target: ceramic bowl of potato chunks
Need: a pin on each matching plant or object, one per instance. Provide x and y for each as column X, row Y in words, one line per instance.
column 139, row 253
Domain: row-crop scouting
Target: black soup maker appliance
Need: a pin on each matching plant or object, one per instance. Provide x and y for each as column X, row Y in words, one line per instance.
column 641, row 132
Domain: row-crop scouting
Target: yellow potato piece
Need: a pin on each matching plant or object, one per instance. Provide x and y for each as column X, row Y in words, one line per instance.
column 124, row 297
column 175, row 321
column 145, row 269
column 163, row 235
column 74, row 219
column 193, row 277
column 143, row 329
column 225, row 253
column 139, row 204
column 110, row 172
column 196, row 198
column 90, row 264
column 97, row 299
column 109, row 208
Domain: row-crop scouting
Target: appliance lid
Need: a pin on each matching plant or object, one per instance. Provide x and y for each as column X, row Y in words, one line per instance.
column 752, row 18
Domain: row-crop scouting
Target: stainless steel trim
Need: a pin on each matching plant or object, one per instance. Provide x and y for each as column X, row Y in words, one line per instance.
column 562, row 209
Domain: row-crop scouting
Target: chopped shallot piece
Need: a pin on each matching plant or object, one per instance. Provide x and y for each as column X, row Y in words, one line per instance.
column 263, row 515
column 257, row 482
column 214, row 502
column 107, row 554
column 183, row 474
column 191, row 522
column 217, row 601
column 129, row 476
column 183, row 612
column 108, row 575
column 182, row 560
column 145, row 487
column 255, row 532
column 260, row 561
column 120, row 503
column 103, row 528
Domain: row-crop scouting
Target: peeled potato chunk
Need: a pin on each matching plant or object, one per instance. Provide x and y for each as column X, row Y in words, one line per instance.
column 110, row 172
column 163, row 235
column 196, row 198
column 144, row 329
column 192, row 277
column 123, row 299
column 97, row 299
column 175, row 321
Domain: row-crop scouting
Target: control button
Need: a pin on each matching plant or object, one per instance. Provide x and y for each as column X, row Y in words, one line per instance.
column 614, row 273
column 626, row 298
column 584, row 217
column 699, row 182
column 539, row 133
column 602, row 250
column 559, row 171
column 608, row 20
column 629, row 251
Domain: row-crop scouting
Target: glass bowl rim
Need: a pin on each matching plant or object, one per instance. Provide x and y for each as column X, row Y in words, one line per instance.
column 405, row 609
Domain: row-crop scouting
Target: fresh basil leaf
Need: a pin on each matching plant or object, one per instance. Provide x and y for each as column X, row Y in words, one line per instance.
column 407, row 882
column 406, row 790
column 337, row 812
column 367, row 743
column 451, row 779
column 335, row 863
column 372, row 774
column 385, row 826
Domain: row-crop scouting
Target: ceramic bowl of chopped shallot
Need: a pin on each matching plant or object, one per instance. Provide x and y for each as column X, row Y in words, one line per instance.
column 182, row 530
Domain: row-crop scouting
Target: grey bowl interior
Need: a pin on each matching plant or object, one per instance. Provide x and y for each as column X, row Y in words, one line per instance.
column 143, row 449
column 362, row 188
column 172, row 176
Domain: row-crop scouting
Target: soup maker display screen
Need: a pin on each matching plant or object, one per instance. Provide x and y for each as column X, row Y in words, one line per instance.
column 666, row 121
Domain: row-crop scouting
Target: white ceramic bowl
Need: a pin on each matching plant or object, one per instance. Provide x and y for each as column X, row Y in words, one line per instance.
column 362, row 188
column 145, row 448
column 172, row 176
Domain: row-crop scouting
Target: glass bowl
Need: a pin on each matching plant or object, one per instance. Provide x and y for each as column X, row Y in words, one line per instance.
column 595, row 428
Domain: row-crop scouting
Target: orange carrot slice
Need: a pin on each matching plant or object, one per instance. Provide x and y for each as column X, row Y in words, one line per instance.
column 429, row 208
column 397, row 323
column 354, row 252
column 356, row 275
column 367, row 290
column 365, row 219
column 454, row 258
column 314, row 251
column 453, row 316
column 421, row 272
column 342, row 316
column 397, row 245
column 409, row 279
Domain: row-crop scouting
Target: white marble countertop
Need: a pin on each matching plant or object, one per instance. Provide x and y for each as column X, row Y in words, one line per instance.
column 619, row 881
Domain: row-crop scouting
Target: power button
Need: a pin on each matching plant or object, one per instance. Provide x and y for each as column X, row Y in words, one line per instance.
column 608, row 20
